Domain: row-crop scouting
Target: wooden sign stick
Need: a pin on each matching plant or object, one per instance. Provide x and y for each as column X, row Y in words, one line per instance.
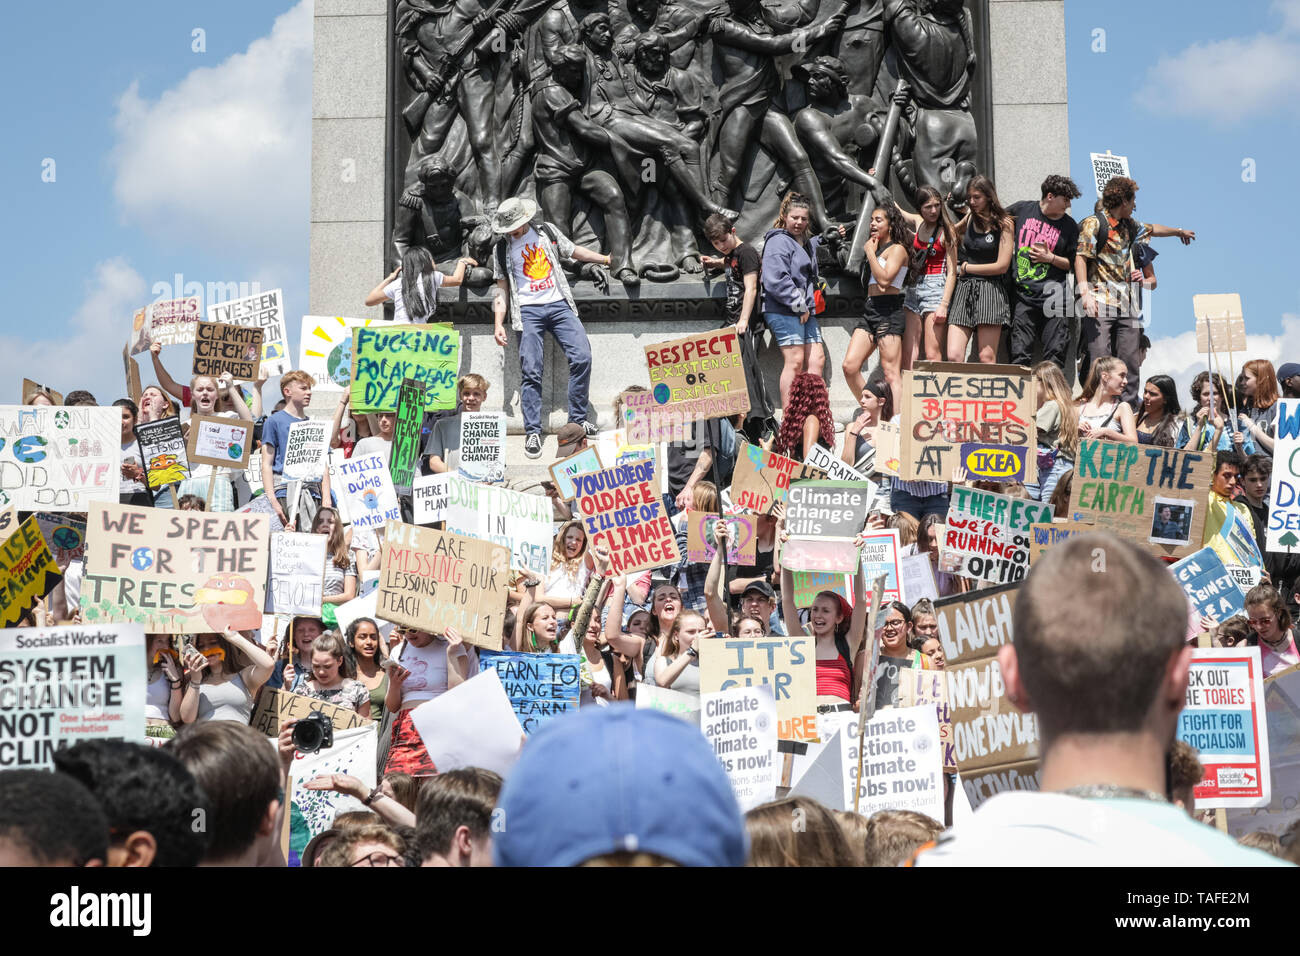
column 877, row 593
column 1232, row 382
column 212, row 486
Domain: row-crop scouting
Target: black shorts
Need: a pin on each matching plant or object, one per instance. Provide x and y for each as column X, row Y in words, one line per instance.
column 884, row 317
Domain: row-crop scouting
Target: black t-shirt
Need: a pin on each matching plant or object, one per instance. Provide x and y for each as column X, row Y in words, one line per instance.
column 1036, row 280
column 683, row 455
column 740, row 262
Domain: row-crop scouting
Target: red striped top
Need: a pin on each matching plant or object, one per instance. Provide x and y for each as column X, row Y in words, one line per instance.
column 834, row 679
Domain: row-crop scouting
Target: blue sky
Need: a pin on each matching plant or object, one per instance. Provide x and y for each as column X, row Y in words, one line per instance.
column 170, row 161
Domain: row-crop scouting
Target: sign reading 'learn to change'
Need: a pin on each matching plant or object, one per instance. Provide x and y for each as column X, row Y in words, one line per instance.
column 384, row 357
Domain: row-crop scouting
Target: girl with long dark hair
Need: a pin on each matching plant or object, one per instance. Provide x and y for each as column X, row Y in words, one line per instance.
column 415, row 294
column 884, row 274
column 979, row 303
column 1157, row 423
column 877, row 403
column 931, row 278
column 807, row 419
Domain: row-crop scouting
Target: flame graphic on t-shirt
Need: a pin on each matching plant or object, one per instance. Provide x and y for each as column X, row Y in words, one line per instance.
column 536, row 265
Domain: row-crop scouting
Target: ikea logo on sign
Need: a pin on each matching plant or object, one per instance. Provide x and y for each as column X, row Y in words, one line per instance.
column 994, row 462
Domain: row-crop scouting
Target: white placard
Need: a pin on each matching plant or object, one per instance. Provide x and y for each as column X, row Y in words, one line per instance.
column 740, row 723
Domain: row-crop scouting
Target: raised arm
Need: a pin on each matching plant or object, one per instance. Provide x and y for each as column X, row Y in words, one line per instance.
column 377, row 295
column 790, row 613
column 165, row 381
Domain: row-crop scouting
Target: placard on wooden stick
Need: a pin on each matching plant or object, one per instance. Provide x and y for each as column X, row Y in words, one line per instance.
column 1220, row 323
column 219, row 442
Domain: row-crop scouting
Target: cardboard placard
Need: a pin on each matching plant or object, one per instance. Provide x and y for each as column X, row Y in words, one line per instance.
column 181, row 572
column 809, row 584
column 1224, row 720
column 406, row 435
column 740, row 724
column 930, row 687
column 889, row 442
column 987, row 536
column 221, row 349
column 304, row 451
column 297, row 573
column 699, row 376
column 624, row 512
column 702, row 544
column 59, row 459
column 277, row 707
column 433, row 580
column 27, row 571
column 430, row 496
column 219, row 442
column 1210, row 588
column 1048, row 534
column 30, row 387
column 824, row 460
column 902, row 762
column 762, row 478
column 918, row 579
column 564, row 471
column 989, row 733
column 979, row 417
column 264, row 311
column 385, row 356
column 1124, row 488
column 787, row 664
column 64, row 534
column 170, row 322
column 482, row 446
column 540, row 686
column 520, row 522
column 1283, row 532
column 368, row 488
column 683, row 706
column 1105, row 167
column 325, row 348
column 162, row 446
column 64, row 685
column 1220, row 323
column 978, row 785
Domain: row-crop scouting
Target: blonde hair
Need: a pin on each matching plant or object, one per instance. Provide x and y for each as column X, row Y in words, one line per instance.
column 906, row 524
column 894, row 835
column 820, row 840
column 705, row 497
column 297, row 375
column 671, row 647
column 1050, row 382
column 472, row 380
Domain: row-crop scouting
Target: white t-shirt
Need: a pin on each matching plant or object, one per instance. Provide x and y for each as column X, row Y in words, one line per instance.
column 394, row 291
column 534, row 284
column 373, row 445
column 131, row 456
column 1054, row 829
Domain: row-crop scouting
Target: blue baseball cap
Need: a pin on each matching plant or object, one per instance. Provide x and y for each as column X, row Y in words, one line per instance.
column 610, row 779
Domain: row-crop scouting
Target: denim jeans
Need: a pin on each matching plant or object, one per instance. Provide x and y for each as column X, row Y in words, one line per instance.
column 1047, row 481
column 558, row 319
column 918, row 508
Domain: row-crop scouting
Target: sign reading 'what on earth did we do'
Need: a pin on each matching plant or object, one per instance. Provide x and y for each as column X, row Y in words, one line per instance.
column 1152, row 496
column 978, row 417
column 385, row 356
column 59, row 459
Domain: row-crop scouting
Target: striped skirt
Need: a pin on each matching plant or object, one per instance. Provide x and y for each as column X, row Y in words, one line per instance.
column 979, row 301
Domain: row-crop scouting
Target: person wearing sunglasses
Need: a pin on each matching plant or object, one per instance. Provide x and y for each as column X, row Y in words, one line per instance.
column 1224, row 488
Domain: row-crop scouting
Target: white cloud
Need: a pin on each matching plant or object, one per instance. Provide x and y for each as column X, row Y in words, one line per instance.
column 224, row 156
column 1233, row 79
column 1176, row 355
column 88, row 352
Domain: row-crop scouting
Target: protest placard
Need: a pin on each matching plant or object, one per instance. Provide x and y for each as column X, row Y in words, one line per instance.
column 702, row 543
column 645, row 423
column 385, row 356
column 918, row 579
column 540, row 686
column 64, row 534
column 1245, row 578
column 27, row 571
column 325, row 348
column 880, row 557
column 762, row 478
column 219, row 442
column 261, row 505
column 1105, row 167
column 162, row 447
column 430, row 496
column 740, row 724
column 1048, row 534
column 406, row 435
column 1284, row 503
column 563, row 472
column 1220, row 324
column 517, row 521
column 1211, row 589
column 30, row 387
column 170, row 322
column 311, row 812
column 1224, row 720
column 699, row 376
column 808, row 584
column 980, row 417
column 987, row 536
column 472, row 725
column 220, row 348
column 304, row 451
column 175, row 571
column 827, row 509
column 684, row 706
column 482, row 446
column 8, row 522
column 1152, row 496
column 990, row 735
column 62, row 685
column 59, row 459
column 297, row 573
column 824, row 460
column 433, row 580
column 820, row 554
column 264, row 311
column 930, row 687
column 275, row 708
column 368, row 487
column 1282, row 726
column 788, row 664
column 899, row 765
column 889, row 441
column 624, row 513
